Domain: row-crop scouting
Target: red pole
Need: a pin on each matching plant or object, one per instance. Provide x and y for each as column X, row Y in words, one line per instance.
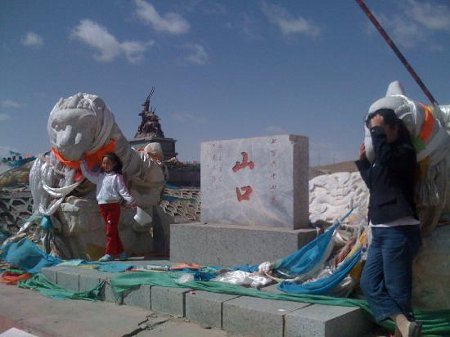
column 397, row 52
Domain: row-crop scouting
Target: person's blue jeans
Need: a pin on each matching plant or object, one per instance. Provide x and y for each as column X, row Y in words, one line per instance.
column 386, row 279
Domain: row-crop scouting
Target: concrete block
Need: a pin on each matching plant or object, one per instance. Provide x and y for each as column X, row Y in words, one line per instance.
column 68, row 278
column 206, row 308
column 139, row 296
column 257, row 317
column 327, row 321
column 223, row 245
column 108, row 294
column 88, row 280
column 49, row 273
column 260, row 181
column 169, row 300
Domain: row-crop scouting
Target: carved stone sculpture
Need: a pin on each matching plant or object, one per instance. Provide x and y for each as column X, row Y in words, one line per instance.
column 150, row 126
column 82, row 126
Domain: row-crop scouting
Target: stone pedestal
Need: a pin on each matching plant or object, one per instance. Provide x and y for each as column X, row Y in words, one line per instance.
column 224, row 245
column 254, row 206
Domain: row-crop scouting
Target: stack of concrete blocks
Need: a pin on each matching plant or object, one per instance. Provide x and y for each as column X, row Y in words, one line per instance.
column 254, row 203
column 243, row 315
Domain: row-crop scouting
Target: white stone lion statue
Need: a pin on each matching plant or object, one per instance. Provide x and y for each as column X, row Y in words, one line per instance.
column 429, row 127
column 82, row 126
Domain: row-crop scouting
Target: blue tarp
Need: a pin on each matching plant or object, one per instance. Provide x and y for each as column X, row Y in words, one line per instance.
column 310, row 256
column 323, row 285
column 25, row 255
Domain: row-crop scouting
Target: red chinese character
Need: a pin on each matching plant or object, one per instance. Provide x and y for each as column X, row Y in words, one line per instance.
column 244, row 163
column 246, row 195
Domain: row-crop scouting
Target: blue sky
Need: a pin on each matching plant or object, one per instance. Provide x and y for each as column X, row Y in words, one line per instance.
column 221, row 69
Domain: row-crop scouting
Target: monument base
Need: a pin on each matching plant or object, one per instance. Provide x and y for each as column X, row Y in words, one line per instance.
column 224, row 245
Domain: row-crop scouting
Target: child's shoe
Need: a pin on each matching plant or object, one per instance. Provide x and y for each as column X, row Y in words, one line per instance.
column 105, row 258
column 123, row 256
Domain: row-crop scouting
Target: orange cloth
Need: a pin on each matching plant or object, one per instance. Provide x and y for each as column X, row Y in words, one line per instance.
column 74, row 164
column 92, row 158
column 95, row 158
column 427, row 125
column 13, row 278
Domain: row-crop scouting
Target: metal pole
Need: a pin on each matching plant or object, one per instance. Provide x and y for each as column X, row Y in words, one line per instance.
column 397, row 52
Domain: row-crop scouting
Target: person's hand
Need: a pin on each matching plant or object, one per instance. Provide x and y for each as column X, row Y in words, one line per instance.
column 376, row 120
column 133, row 205
column 362, row 152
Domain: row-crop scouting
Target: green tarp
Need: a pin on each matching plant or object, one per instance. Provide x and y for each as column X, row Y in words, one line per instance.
column 47, row 288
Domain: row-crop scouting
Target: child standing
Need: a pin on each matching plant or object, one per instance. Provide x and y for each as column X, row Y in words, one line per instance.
column 110, row 189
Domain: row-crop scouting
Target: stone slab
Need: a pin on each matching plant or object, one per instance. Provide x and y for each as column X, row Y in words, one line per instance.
column 138, row 297
column 88, row 280
column 68, row 278
column 257, row 317
column 260, row 181
column 108, row 294
column 49, row 273
column 327, row 321
column 169, row 300
column 215, row 244
column 206, row 308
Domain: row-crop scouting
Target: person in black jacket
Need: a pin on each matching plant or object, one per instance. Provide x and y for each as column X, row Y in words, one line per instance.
column 386, row 280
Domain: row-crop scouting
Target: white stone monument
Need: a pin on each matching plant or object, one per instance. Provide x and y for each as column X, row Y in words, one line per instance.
column 254, row 202
column 256, row 181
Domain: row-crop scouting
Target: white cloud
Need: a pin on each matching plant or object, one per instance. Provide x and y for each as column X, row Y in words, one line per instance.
column 172, row 23
column 246, row 25
column 276, row 130
column 99, row 38
column 7, row 103
column 415, row 22
column 213, row 8
column 107, row 46
column 288, row 24
column 434, row 16
column 197, row 54
column 406, row 33
column 4, row 117
column 32, row 40
column 134, row 51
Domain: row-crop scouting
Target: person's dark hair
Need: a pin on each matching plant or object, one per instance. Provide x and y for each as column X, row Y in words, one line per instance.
column 117, row 163
column 391, row 120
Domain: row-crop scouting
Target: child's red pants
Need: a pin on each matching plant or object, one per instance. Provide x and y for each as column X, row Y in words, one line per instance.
column 111, row 216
